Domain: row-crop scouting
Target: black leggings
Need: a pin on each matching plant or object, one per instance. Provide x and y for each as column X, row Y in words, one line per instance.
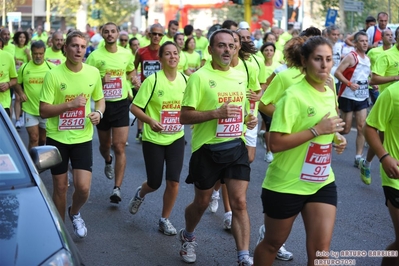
column 154, row 157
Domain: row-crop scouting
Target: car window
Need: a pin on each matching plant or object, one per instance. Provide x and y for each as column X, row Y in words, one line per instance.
column 13, row 168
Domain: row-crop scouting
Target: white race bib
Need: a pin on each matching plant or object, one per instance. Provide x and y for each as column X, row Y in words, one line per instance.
column 113, row 88
column 170, row 121
column 363, row 91
column 317, row 165
column 73, row 119
column 230, row 127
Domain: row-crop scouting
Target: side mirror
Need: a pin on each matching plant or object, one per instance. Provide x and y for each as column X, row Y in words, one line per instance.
column 45, row 157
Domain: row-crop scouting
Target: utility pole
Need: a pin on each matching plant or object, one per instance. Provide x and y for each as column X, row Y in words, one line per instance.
column 247, row 11
column 3, row 16
column 47, row 24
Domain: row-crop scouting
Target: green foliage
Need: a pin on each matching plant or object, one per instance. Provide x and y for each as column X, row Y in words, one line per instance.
column 11, row 5
column 234, row 12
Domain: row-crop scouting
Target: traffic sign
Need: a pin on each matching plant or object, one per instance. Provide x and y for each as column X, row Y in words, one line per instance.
column 14, row 17
column 278, row 14
column 143, row 2
column 278, row 4
column 354, row 6
column 331, row 17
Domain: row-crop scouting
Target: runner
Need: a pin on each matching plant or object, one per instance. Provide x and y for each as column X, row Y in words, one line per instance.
column 65, row 101
column 214, row 101
column 384, row 117
column 353, row 72
column 54, row 54
column 305, row 122
column 116, row 66
column 8, row 78
column 30, row 81
column 193, row 58
column 333, row 36
column 182, row 67
column 374, row 32
column 173, row 27
column 163, row 137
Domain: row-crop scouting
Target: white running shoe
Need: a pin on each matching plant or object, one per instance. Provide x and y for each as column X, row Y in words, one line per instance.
column 79, row 226
column 227, row 220
column 214, row 203
column 109, row 169
column 135, row 202
column 187, row 249
column 166, row 227
column 116, row 196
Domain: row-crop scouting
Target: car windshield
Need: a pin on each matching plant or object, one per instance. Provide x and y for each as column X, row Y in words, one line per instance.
column 13, row 168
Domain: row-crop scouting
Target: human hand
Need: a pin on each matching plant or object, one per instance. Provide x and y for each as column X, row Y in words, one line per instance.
column 330, row 125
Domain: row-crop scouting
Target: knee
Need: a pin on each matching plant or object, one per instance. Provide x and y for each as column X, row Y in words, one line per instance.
column 83, row 189
column 346, row 130
column 238, row 203
column 154, row 184
column 172, row 185
column 119, row 148
column 60, row 188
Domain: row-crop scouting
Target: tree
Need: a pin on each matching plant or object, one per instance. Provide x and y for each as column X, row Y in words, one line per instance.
column 235, row 12
column 10, row 6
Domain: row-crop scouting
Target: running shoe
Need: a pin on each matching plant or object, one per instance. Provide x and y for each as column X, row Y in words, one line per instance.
column 283, row 254
column 116, row 196
column 268, row 157
column 227, row 220
column 139, row 137
column 187, row 249
column 79, row 226
column 356, row 163
column 261, row 233
column 18, row 125
column 22, row 120
column 248, row 261
column 214, row 203
column 261, row 138
column 135, row 202
column 365, row 174
column 166, row 227
column 109, row 169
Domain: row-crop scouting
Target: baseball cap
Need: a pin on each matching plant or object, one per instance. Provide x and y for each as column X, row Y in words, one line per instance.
column 265, row 23
column 243, row 25
column 370, row 19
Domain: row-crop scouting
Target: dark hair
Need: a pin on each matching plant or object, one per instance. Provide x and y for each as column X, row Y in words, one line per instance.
column 162, row 48
column 212, row 38
column 247, row 48
column 185, row 48
column 228, row 23
column 188, row 30
column 267, row 35
column 177, row 35
column 131, row 40
column 173, row 22
column 311, row 31
column 2, row 43
column 311, row 44
column 110, row 23
column 19, row 33
column 382, row 13
column 292, row 51
column 73, row 34
column 358, row 34
column 37, row 45
column 263, row 47
column 370, row 19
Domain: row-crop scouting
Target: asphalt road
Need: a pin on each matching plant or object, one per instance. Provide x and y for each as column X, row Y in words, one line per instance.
column 115, row 237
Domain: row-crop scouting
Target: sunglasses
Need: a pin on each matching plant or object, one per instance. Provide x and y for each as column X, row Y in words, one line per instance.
column 157, row 34
column 123, row 40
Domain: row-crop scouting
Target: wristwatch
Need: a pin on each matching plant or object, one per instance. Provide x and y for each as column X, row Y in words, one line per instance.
column 101, row 114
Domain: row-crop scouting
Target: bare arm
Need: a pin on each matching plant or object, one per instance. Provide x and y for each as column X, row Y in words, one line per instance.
column 139, row 113
column 49, row 110
column 267, row 109
column 18, row 90
column 378, row 80
column 189, row 115
column 348, row 61
column 349, row 40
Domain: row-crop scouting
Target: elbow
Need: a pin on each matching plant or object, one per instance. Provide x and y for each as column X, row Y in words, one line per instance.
column 274, row 148
column 183, row 119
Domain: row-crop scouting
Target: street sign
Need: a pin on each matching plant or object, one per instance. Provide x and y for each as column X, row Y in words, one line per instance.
column 278, row 14
column 14, row 17
column 278, row 4
column 354, row 6
column 143, row 2
column 331, row 17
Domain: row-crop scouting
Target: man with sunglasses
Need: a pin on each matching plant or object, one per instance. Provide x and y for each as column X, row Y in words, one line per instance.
column 123, row 39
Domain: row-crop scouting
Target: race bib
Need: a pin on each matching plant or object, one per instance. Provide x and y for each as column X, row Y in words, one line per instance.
column 363, row 91
column 170, row 121
column 73, row 119
column 113, row 88
column 54, row 61
column 317, row 165
column 150, row 67
column 252, row 105
column 229, row 127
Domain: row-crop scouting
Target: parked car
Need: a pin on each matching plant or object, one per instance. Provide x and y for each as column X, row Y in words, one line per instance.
column 31, row 230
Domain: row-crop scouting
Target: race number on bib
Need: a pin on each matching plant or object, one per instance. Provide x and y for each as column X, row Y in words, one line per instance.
column 170, row 121
column 54, row 61
column 317, row 165
column 229, row 127
column 113, row 88
column 363, row 91
column 150, row 67
column 71, row 120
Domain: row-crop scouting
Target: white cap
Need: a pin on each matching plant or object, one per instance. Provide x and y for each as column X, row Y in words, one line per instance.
column 243, row 25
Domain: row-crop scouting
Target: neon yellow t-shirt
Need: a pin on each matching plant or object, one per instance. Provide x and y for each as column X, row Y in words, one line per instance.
column 10, row 48
column 201, row 44
column 183, row 64
column 374, row 53
column 302, row 107
column 281, row 82
column 259, row 61
column 32, row 76
column 270, row 69
column 20, row 56
column 193, row 60
column 57, row 58
column 252, row 84
column 117, row 64
column 145, row 42
column 62, row 85
column 384, row 116
column 164, row 39
column 387, row 65
column 207, row 89
column 42, row 37
column 7, row 72
column 164, row 106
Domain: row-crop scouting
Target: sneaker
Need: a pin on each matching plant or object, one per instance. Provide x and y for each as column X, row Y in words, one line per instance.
column 166, row 227
column 187, row 249
column 261, row 137
column 18, row 125
column 268, row 157
column 261, row 233
column 79, row 226
column 283, row 254
column 116, row 196
column 356, row 163
column 249, row 261
column 214, row 203
column 135, row 202
column 127, row 143
column 365, row 174
column 109, row 169
column 227, row 220
column 139, row 137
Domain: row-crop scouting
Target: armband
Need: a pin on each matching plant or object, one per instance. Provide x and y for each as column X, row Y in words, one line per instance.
column 101, row 114
column 314, row 131
column 383, row 156
column 349, row 84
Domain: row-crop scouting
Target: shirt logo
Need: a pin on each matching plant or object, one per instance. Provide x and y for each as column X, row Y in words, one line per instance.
column 212, row 84
column 63, row 86
column 311, row 111
column 91, row 85
column 160, row 93
column 102, row 63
